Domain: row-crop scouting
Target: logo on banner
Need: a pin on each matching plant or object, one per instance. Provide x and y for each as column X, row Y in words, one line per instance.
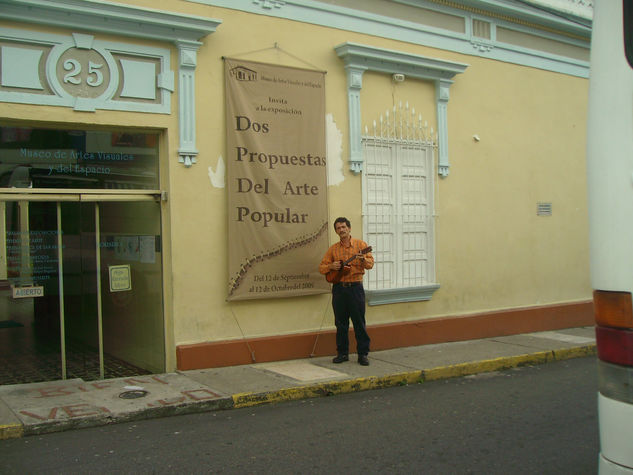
column 244, row 74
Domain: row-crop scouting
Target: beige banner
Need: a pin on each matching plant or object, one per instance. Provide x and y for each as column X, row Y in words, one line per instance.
column 276, row 180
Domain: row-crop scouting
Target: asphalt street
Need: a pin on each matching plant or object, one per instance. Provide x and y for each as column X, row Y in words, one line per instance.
column 530, row 420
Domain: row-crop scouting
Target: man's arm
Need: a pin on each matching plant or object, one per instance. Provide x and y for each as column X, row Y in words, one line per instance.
column 366, row 260
column 324, row 266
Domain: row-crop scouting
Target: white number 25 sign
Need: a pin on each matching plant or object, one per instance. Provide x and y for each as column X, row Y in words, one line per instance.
column 95, row 76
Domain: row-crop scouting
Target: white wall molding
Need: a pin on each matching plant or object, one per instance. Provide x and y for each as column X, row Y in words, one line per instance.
column 549, row 24
column 560, row 15
column 107, row 17
column 582, row 9
column 268, row 4
column 411, row 294
column 359, row 58
column 184, row 31
column 354, row 85
column 188, row 59
column 82, row 72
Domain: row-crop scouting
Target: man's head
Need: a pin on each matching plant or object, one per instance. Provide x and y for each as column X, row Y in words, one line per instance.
column 342, row 227
column 342, row 220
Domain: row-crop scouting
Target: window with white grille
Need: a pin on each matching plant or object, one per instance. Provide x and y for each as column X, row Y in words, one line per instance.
column 398, row 214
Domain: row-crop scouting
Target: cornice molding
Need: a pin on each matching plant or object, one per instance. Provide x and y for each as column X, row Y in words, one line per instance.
column 390, row 61
column 531, row 20
column 112, row 18
column 531, row 13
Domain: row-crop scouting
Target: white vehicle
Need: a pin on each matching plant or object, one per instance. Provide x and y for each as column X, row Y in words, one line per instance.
column 610, row 195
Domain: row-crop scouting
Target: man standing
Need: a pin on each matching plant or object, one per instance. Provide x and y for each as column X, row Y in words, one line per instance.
column 348, row 295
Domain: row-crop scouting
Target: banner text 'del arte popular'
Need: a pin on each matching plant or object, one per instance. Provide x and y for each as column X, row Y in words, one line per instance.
column 276, row 180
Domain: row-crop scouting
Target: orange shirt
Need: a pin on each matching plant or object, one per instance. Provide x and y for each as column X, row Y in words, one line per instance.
column 338, row 252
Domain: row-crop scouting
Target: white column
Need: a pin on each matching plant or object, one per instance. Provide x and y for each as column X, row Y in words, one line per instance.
column 442, row 96
column 187, row 54
column 354, row 85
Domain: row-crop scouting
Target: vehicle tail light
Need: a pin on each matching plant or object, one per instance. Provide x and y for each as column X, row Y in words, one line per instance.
column 613, row 309
column 614, row 330
column 615, row 345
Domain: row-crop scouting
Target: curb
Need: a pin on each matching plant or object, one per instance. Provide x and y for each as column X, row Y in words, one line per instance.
column 11, row 431
column 144, row 414
column 242, row 400
column 412, row 377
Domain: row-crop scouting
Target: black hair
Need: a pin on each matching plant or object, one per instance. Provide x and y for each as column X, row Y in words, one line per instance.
column 342, row 219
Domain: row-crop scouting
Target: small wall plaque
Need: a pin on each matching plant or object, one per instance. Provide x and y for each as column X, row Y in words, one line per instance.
column 543, row 209
column 28, row 292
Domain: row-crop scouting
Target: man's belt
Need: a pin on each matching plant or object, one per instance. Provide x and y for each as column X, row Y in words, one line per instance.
column 348, row 284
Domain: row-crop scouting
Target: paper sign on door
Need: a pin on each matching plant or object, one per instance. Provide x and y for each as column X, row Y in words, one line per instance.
column 120, row 278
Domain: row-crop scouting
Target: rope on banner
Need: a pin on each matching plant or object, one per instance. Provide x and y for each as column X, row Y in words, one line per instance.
column 312, row 355
column 251, row 351
column 281, row 50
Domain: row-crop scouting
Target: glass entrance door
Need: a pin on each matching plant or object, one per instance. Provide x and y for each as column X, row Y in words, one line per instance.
column 80, row 288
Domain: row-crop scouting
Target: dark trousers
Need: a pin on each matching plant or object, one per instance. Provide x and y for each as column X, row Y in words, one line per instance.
column 349, row 303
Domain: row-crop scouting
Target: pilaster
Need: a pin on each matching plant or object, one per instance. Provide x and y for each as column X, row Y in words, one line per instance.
column 442, row 96
column 187, row 58
column 354, row 85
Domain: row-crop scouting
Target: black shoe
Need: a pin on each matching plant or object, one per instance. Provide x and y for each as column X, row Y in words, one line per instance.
column 363, row 360
column 340, row 359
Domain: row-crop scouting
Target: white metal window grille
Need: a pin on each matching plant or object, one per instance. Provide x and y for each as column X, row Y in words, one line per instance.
column 398, row 208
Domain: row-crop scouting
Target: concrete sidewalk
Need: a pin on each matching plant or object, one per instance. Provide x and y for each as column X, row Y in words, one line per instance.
column 37, row 408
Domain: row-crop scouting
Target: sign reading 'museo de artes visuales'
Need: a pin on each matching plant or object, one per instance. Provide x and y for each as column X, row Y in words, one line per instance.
column 276, row 180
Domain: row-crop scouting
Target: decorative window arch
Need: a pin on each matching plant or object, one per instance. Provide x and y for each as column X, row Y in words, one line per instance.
column 360, row 58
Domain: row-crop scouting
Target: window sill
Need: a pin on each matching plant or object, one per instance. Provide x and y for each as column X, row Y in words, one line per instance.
column 408, row 294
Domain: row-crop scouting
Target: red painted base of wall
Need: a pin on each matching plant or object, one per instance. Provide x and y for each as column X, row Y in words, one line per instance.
column 384, row 337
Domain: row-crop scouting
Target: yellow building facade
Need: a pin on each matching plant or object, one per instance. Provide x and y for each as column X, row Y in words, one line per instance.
column 455, row 138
